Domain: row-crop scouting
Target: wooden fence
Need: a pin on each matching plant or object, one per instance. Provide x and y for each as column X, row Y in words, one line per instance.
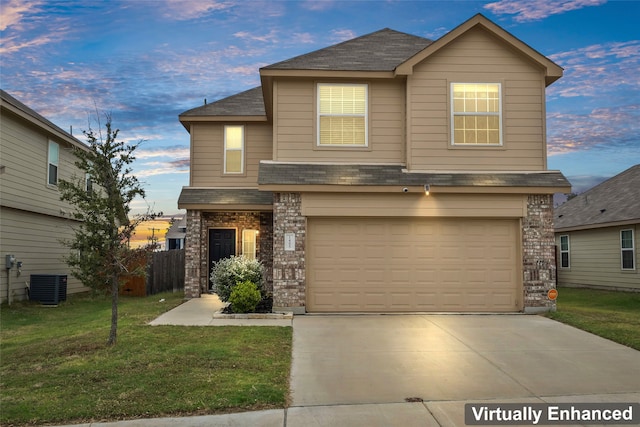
column 165, row 271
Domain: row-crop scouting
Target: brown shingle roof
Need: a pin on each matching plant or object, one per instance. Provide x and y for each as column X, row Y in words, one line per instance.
column 382, row 50
column 247, row 103
column 615, row 200
column 272, row 173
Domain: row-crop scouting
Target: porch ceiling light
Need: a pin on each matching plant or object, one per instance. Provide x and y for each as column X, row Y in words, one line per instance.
column 427, row 188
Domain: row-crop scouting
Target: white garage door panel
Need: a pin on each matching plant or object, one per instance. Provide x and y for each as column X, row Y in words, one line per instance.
column 409, row 264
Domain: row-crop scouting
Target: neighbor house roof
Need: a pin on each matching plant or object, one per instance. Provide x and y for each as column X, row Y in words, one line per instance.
column 616, row 201
column 382, row 50
column 12, row 104
column 177, row 229
column 274, row 173
column 224, row 198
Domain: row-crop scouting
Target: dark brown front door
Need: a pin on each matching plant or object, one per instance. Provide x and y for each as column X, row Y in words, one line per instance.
column 222, row 244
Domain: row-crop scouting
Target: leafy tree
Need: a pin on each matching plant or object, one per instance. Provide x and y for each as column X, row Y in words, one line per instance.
column 102, row 198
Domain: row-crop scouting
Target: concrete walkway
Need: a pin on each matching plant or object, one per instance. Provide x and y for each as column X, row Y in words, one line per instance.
column 202, row 312
column 420, row 370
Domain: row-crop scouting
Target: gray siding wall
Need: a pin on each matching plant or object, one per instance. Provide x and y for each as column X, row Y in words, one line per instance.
column 595, row 259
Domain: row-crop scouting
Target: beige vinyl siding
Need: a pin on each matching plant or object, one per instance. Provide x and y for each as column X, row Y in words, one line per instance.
column 34, row 239
column 207, row 155
column 595, row 259
column 294, row 129
column 24, row 156
column 476, row 57
column 414, row 205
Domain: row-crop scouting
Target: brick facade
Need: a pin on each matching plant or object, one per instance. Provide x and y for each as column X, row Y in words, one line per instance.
column 197, row 240
column 286, row 269
column 538, row 254
column 289, row 273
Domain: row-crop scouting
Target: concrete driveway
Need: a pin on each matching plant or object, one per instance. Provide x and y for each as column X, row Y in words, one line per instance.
column 380, row 361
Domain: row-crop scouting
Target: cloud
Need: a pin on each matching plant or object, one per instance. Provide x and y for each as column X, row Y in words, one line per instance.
column 270, row 37
column 25, row 25
column 592, row 70
column 317, row 5
column 164, row 169
column 13, row 12
column 612, row 128
column 184, row 10
column 528, row 10
column 177, row 151
column 342, row 35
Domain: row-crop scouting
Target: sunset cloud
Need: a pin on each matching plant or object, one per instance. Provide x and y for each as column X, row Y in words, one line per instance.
column 602, row 128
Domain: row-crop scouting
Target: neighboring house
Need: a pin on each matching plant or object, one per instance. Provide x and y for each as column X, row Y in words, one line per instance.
column 176, row 234
column 34, row 155
column 388, row 173
column 597, row 235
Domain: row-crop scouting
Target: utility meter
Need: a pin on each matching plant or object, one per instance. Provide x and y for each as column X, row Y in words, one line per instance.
column 10, row 261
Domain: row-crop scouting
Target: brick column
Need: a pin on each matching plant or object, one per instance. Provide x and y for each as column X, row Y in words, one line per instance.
column 288, row 265
column 192, row 254
column 538, row 254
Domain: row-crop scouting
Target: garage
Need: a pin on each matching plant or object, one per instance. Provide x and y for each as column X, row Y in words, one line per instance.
column 366, row 264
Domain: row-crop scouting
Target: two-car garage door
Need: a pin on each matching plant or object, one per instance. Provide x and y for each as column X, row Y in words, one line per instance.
column 412, row 265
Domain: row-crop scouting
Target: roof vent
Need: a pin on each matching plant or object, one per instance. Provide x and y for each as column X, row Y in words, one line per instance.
column 603, row 210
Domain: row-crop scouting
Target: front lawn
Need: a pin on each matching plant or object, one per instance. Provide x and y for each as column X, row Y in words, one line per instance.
column 55, row 367
column 612, row 315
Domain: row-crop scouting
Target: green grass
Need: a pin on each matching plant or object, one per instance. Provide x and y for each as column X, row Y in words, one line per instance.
column 55, row 366
column 609, row 314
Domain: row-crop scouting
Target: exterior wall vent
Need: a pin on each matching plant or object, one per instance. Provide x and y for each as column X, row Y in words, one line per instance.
column 48, row 288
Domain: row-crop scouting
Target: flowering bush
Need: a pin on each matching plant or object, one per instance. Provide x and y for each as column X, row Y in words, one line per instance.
column 228, row 272
column 244, row 297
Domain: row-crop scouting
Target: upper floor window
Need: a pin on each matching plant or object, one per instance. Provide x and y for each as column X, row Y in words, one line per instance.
column 233, row 149
column 564, row 252
column 342, row 115
column 476, row 114
column 53, row 159
column 627, row 250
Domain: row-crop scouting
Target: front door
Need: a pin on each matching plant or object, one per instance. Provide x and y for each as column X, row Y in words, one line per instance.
column 222, row 244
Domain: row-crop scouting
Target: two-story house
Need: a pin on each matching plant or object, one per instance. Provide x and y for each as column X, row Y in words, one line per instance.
column 388, row 173
column 34, row 155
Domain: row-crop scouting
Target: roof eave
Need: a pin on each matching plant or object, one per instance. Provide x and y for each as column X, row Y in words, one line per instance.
column 582, row 227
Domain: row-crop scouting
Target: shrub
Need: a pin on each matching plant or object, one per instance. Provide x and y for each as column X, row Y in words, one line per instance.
column 244, row 297
column 227, row 272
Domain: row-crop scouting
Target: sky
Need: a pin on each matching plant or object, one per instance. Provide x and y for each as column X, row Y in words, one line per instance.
column 146, row 61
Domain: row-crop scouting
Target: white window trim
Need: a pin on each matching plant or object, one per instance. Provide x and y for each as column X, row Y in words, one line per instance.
column 252, row 254
column 632, row 249
column 56, row 164
column 241, row 149
column 366, row 116
column 453, row 115
column 568, row 251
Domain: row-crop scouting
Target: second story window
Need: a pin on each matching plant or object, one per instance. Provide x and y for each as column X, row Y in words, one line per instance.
column 476, row 114
column 342, row 115
column 233, row 149
column 53, row 159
